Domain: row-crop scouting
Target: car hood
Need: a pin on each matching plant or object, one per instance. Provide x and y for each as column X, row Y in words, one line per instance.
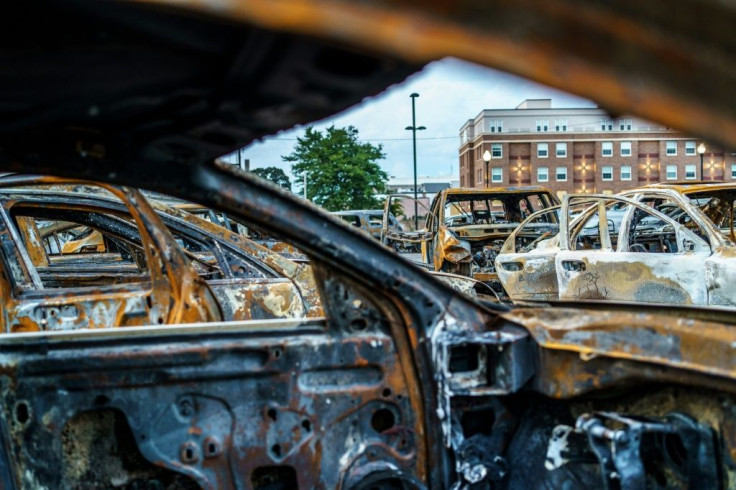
column 188, row 81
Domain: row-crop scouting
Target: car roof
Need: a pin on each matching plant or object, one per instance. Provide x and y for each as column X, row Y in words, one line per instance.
column 693, row 187
column 496, row 190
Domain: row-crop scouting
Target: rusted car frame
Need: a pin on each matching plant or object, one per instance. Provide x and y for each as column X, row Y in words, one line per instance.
column 466, row 241
column 248, row 281
column 169, row 292
column 476, row 397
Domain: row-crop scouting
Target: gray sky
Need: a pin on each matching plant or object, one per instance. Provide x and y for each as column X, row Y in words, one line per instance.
column 450, row 91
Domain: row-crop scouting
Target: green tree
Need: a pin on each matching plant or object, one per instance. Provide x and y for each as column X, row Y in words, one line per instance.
column 275, row 175
column 342, row 172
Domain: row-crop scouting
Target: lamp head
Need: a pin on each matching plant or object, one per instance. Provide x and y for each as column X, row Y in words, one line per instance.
column 414, row 95
column 701, row 148
column 487, row 156
column 421, row 128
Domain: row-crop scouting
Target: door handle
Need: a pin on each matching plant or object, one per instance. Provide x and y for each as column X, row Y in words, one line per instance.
column 512, row 266
column 573, row 265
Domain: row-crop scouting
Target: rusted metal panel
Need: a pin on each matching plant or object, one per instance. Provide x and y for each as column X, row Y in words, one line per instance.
column 321, row 422
column 680, row 343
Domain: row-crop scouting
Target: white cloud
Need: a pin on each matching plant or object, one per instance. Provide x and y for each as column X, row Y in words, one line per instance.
column 451, row 92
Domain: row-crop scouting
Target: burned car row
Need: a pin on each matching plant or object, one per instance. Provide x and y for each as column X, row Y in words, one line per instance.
column 85, row 256
column 144, row 347
column 465, row 228
column 661, row 244
column 666, row 244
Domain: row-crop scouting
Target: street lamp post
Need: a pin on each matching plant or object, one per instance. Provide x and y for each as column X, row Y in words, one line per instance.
column 413, row 128
column 701, row 152
column 487, row 159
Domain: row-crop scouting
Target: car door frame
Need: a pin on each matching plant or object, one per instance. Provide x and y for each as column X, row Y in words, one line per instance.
column 521, row 273
column 647, row 278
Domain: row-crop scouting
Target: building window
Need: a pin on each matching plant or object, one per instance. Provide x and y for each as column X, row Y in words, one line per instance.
column 689, row 172
column 733, row 170
column 480, row 176
column 496, row 126
column 561, row 125
column 497, row 174
column 671, row 172
column 542, row 125
column 561, row 150
column 626, row 148
column 607, row 148
column 690, row 148
column 671, row 148
column 606, row 172
column 561, row 174
column 624, row 124
column 496, row 150
column 606, row 125
column 542, row 174
column 625, row 172
column 542, row 150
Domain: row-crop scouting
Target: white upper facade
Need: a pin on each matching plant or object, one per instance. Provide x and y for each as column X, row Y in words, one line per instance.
column 538, row 116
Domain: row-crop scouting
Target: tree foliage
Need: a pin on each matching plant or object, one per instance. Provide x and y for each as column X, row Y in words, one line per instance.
column 275, row 175
column 342, row 172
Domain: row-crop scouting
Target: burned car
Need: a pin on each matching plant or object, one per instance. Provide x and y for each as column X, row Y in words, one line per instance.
column 369, row 220
column 246, row 280
column 651, row 245
column 465, row 228
column 404, row 383
column 715, row 199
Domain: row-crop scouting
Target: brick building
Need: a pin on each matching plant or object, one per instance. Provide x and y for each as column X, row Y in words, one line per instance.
column 580, row 150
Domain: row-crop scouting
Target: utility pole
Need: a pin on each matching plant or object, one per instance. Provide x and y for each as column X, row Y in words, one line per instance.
column 701, row 152
column 413, row 128
column 305, row 185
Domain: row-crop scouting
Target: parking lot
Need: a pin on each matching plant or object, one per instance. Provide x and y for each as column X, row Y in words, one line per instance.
column 170, row 321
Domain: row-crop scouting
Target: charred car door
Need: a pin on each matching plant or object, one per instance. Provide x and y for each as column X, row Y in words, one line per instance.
column 257, row 283
column 709, row 215
column 623, row 250
column 526, row 264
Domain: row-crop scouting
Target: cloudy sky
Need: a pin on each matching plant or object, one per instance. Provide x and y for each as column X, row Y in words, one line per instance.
column 450, row 92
